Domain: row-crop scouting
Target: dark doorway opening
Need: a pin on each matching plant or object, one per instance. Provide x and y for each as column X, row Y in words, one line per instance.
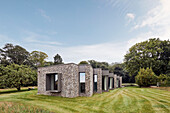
column 103, row 82
column 109, row 82
column 95, row 83
column 113, row 83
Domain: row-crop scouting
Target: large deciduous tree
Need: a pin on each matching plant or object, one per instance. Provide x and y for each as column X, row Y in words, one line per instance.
column 15, row 75
column 38, row 58
column 58, row 59
column 119, row 69
column 13, row 54
column 152, row 53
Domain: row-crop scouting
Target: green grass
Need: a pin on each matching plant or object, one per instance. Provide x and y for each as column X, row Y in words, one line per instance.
column 122, row 100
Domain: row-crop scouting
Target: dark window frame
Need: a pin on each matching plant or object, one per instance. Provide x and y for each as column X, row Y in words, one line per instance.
column 56, row 88
column 82, row 85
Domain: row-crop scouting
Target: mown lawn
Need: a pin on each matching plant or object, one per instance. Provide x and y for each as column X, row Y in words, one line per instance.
column 128, row 99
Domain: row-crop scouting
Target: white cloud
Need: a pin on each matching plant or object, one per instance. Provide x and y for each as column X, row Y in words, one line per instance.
column 141, row 37
column 43, row 14
column 158, row 16
column 130, row 16
column 33, row 37
column 109, row 52
column 157, row 21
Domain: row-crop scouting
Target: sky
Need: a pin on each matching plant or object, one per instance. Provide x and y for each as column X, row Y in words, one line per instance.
column 79, row 30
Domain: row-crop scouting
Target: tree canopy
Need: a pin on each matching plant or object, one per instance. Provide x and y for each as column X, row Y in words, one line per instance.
column 15, row 75
column 83, row 62
column 58, row 59
column 152, row 53
column 14, row 54
column 38, row 58
column 96, row 64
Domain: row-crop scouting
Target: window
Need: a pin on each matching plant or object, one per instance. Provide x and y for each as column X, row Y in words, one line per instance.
column 95, row 83
column 117, row 83
column 56, row 82
column 82, row 82
column 53, row 82
column 111, row 83
column 104, row 83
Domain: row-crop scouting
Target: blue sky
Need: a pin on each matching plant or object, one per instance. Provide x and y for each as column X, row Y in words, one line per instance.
column 83, row 29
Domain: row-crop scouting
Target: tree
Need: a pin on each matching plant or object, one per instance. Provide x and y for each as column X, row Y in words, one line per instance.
column 164, row 80
column 119, row 69
column 38, row 58
column 95, row 64
column 146, row 78
column 14, row 54
column 152, row 53
column 15, row 75
column 58, row 59
column 49, row 63
column 83, row 62
column 167, row 72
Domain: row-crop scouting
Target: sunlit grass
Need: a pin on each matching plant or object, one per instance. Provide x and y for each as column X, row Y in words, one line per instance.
column 11, row 107
column 128, row 99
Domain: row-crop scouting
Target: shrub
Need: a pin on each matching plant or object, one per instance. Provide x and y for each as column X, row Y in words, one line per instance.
column 146, row 78
column 164, row 80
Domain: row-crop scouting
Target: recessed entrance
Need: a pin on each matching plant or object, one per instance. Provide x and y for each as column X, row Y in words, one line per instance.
column 104, row 83
column 95, row 83
column 53, row 82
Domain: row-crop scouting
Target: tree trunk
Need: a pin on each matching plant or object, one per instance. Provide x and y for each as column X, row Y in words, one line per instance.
column 18, row 88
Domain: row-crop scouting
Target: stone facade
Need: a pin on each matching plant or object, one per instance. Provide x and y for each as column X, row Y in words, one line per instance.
column 105, row 74
column 115, row 81
column 111, row 81
column 98, row 72
column 88, row 70
column 120, row 78
column 69, row 80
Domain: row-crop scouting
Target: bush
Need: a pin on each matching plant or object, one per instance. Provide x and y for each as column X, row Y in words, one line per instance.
column 83, row 62
column 146, row 78
column 164, row 80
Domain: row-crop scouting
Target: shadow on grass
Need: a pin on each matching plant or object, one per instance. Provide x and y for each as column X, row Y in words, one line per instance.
column 14, row 91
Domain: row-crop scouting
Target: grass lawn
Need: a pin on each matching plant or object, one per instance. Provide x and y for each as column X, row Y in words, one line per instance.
column 162, row 88
column 128, row 99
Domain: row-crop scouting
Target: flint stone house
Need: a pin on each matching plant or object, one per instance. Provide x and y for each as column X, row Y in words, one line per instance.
column 72, row 80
